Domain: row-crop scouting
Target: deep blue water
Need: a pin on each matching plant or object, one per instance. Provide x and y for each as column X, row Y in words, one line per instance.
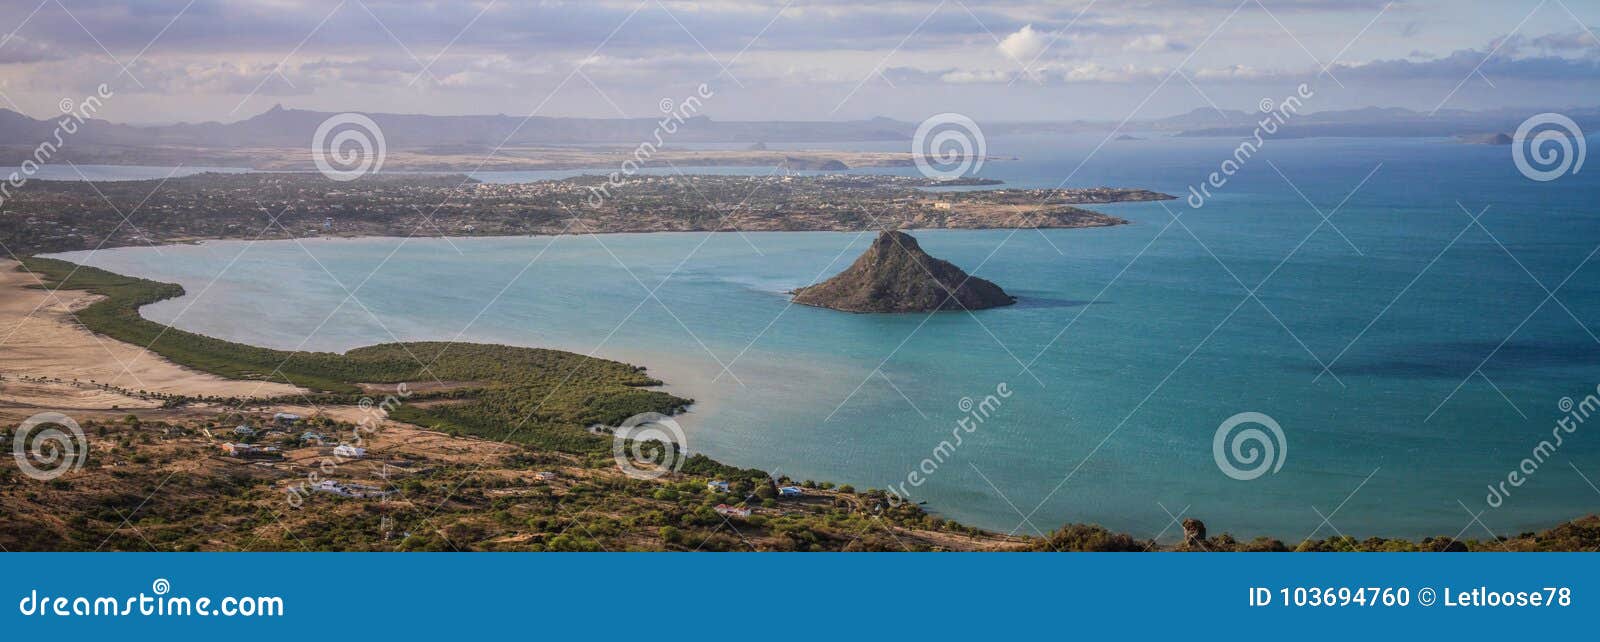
column 1139, row 339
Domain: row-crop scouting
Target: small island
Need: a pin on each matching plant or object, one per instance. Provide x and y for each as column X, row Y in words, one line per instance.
column 896, row 275
column 1494, row 138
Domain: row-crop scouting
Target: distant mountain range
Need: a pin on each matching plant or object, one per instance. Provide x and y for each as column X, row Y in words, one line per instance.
column 280, row 127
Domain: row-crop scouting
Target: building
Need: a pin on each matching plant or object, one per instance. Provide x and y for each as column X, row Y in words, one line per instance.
column 732, row 511
column 349, row 452
column 359, row 491
column 330, row 486
column 310, row 436
column 286, row 419
column 247, row 451
column 545, row 475
column 717, row 486
column 791, row 491
column 244, row 431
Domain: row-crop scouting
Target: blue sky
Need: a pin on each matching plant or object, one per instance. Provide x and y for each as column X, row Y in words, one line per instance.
column 172, row 60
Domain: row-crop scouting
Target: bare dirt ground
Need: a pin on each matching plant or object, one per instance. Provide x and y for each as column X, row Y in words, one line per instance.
column 41, row 340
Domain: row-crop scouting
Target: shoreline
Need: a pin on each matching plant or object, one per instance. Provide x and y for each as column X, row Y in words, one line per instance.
column 113, row 245
column 16, row 279
column 62, row 216
column 43, row 340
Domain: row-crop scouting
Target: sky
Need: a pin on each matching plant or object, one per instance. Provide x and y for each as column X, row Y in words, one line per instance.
column 225, row 60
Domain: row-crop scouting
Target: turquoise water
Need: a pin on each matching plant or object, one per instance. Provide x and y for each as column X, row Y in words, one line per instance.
column 1139, row 341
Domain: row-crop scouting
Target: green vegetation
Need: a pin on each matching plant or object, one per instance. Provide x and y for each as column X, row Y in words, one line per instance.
column 498, row 504
column 543, row 398
column 494, row 505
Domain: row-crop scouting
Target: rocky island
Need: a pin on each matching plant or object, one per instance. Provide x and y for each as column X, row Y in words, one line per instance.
column 896, row 275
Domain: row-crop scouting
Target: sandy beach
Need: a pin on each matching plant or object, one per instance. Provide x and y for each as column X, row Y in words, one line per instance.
column 68, row 367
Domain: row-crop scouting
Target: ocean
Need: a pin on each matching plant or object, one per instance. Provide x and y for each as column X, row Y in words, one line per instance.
column 1414, row 315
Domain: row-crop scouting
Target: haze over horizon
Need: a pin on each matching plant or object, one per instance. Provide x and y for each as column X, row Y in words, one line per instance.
column 206, row 60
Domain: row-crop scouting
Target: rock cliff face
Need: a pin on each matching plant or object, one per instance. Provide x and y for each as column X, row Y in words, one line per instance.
column 895, row 275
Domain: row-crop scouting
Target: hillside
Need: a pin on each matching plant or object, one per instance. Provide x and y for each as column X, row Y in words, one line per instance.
column 896, row 275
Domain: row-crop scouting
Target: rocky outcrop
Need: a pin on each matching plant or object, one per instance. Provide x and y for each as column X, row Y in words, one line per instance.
column 896, row 275
column 1194, row 534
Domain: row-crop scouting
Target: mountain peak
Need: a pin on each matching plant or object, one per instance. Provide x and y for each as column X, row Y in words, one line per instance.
column 896, row 275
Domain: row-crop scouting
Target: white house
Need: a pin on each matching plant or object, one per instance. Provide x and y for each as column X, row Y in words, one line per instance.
column 348, row 451
column 717, row 486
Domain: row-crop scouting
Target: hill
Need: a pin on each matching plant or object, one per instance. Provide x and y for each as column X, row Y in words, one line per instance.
column 896, row 275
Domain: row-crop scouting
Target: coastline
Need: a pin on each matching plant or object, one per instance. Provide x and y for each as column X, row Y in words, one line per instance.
column 457, row 234
column 43, row 340
column 66, row 216
column 692, row 383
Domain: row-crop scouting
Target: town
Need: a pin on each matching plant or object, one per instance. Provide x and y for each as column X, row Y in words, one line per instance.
column 55, row 216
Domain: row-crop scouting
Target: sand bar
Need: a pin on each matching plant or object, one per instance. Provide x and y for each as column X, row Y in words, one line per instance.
column 40, row 338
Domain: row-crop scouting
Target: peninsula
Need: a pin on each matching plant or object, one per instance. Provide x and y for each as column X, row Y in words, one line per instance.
column 58, row 216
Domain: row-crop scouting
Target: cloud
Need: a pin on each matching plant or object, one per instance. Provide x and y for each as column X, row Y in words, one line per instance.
column 1025, row 45
column 1153, row 43
column 1515, row 57
column 975, row 76
column 1231, row 72
column 1581, row 42
column 805, row 58
column 1093, row 72
column 19, row 49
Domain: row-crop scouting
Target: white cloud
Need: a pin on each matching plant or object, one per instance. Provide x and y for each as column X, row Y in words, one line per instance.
column 1231, row 72
column 1025, row 45
column 966, row 76
column 1152, row 43
column 1092, row 72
